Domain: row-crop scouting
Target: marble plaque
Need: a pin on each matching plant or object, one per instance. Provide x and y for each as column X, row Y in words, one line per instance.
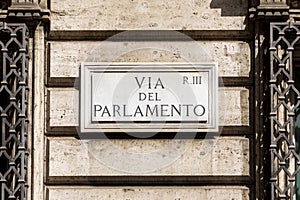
column 148, row 97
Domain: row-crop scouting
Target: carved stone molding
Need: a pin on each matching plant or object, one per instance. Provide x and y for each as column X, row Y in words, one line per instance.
column 273, row 2
column 268, row 9
column 27, row 11
column 279, row 10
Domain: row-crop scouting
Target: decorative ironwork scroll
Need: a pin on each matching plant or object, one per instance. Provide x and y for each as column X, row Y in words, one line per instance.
column 285, row 99
column 14, row 91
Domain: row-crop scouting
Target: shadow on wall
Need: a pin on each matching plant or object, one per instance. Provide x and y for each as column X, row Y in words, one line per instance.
column 4, row 4
column 231, row 7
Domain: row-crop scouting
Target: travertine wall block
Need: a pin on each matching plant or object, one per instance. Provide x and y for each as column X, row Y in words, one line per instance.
column 155, row 14
column 233, row 57
column 148, row 193
column 220, row 156
column 64, row 103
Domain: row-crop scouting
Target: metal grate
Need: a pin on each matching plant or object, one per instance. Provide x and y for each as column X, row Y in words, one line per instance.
column 284, row 98
column 13, row 111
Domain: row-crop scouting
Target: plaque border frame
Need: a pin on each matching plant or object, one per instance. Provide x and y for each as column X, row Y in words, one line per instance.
column 87, row 126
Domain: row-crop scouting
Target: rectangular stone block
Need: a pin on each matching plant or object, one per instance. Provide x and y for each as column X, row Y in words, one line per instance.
column 233, row 57
column 220, row 156
column 234, row 106
column 66, row 57
column 148, row 193
column 155, row 14
column 63, row 107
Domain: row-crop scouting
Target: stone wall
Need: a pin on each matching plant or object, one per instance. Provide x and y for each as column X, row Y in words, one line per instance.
column 148, row 193
column 210, row 168
column 131, row 14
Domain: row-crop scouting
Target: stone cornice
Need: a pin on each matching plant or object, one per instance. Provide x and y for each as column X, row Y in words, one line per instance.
column 269, row 11
column 25, row 12
column 273, row 10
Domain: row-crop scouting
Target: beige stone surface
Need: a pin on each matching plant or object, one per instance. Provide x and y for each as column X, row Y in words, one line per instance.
column 37, row 109
column 233, row 106
column 154, row 14
column 233, row 57
column 148, row 193
column 63, row 104
column 220, row 156
column 63, row 108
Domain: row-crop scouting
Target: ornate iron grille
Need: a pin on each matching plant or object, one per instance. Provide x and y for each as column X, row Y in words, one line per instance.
column 13, row 111
column 284, row 96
